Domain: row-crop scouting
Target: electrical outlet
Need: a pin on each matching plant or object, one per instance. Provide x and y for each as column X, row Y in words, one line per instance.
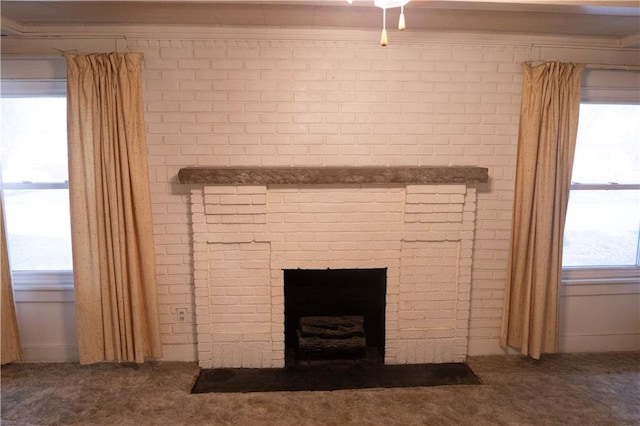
column 182, row 315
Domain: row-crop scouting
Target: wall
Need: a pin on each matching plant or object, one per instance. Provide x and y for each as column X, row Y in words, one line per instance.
column 314, row 103
column 47, row 324
column 597, row 317
column 315, row 98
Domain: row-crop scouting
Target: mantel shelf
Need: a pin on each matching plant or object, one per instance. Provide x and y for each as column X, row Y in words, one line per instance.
column 333, row 175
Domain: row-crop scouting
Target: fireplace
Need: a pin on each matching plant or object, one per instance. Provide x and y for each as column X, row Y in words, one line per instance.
column 255, row 229
column 358, row 294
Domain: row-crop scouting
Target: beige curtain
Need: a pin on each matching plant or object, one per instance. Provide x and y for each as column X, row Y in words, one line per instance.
column 546, row 144
column 11, row 349
column 113, row 250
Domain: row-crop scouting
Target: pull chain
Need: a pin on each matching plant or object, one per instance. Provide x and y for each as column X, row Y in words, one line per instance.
column 383, row 38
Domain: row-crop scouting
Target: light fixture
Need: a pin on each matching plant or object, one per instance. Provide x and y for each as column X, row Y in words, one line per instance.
column 389, row 4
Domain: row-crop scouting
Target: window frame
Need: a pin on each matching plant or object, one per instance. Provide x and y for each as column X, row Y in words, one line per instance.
column 608, row 274
column 27, row 280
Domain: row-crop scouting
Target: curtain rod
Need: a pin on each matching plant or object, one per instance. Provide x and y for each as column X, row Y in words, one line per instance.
column 613, row 67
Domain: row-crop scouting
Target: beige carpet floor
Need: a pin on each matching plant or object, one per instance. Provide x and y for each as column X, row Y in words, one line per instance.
column 570, row 389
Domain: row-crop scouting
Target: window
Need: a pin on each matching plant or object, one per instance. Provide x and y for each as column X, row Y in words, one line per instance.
column 602, row 230
column 34, row 175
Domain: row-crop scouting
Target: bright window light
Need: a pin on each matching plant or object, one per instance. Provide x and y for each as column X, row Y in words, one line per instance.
column 35, row 183
column 603, row 220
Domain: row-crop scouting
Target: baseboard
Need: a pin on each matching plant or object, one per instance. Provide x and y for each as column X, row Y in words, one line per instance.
column 600, row 343
column 69, row 353
column 181, row 353
column 479, row 347
column 53, row 353
column 567, row 344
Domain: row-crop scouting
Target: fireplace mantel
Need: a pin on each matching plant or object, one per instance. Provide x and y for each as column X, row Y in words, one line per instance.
column 333, row 175
column 251, row 224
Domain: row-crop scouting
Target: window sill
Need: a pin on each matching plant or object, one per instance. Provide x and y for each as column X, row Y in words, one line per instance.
column 44, row 295
column 42, row 280
column 600, row 282
column 600, row 275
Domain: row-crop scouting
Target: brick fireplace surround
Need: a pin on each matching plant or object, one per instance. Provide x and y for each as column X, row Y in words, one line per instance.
column 251, row 224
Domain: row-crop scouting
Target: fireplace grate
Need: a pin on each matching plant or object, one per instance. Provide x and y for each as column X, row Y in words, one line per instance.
column 331, row 337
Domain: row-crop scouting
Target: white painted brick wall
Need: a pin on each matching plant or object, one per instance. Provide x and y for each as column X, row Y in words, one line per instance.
column 324, row 103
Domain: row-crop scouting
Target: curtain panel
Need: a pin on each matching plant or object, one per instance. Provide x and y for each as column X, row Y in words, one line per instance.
column 113, row 249
column 10, row 343
column 546, row 143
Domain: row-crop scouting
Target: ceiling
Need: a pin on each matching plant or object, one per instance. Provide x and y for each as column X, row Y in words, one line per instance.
column 619, row 20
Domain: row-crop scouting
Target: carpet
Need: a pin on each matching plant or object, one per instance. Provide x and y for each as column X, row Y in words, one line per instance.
column 557, row 390
column 332, row 376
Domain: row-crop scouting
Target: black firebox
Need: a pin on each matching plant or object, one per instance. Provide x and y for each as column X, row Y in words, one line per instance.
column 334, row 296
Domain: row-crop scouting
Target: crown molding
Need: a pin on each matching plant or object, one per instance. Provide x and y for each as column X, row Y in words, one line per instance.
column 631, row 41
column 11, row 27
column 14, row 30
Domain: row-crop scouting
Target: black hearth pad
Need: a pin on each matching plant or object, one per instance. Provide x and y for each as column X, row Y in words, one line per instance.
column 332, row 376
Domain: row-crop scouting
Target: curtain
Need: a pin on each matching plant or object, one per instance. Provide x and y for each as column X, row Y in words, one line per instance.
column 113, row 250
column 546, row 145
column 11, row 349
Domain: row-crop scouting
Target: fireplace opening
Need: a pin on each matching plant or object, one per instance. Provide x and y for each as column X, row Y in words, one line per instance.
column 334, row 314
